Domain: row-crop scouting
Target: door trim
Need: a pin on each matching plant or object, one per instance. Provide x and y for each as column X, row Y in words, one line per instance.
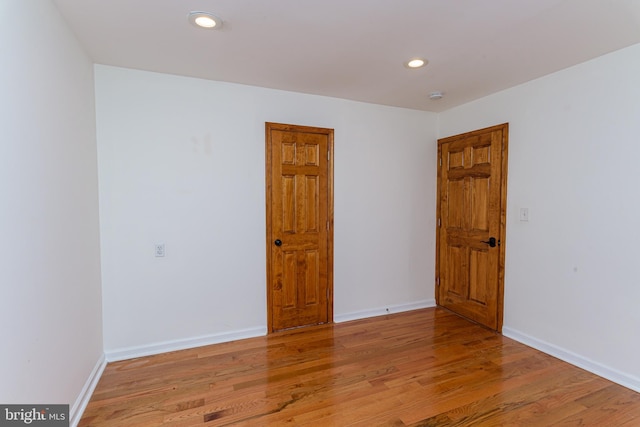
column 503, row 212
column 269, row 235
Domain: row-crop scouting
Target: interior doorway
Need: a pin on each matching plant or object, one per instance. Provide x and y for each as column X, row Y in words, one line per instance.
column 299, row 202
column 471, row 224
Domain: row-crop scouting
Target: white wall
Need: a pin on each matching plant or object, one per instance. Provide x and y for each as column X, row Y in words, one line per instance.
column 50, row 320
column 182, row 162
column 572, row 284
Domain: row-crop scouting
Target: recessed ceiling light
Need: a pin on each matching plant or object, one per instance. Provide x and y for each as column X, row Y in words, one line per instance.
column 205, row 20
column 415, row 63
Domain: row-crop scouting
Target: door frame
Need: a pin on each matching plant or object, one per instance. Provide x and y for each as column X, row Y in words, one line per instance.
column 503, row 212
column 269, row 234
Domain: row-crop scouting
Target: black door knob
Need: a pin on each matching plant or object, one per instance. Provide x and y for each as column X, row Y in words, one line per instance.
column 491, row 242
column 278, row 242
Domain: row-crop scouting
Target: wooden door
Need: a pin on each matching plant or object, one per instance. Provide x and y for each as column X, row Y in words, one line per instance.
column 299, row 225
column 470, row 234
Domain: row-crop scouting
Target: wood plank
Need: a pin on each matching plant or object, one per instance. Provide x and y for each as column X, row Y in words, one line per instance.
column 421, row 368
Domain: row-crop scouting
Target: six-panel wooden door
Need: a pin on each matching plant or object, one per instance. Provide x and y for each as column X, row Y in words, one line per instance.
column 471, row 211
column 299, row 225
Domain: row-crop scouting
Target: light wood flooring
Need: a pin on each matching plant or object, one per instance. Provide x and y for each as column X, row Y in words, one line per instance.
column 422, row 368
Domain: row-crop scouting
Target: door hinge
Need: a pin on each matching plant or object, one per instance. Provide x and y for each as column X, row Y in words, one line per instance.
column 327, row 225
column 440, row 161
column 328, row 155
column 438, row 281
column 439, row 222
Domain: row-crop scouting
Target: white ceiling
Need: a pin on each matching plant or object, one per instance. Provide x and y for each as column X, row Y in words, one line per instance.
column 355, row 49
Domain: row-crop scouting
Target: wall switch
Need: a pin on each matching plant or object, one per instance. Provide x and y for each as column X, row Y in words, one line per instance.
column 159, row 249
column 524, row 214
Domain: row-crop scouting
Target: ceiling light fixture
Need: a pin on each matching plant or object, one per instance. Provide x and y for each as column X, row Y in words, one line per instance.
column 205, row 20
column 434, row 96
column 416, row 63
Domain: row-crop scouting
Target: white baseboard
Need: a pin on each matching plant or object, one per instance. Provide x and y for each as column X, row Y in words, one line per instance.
column 76, row 411
column 626, row 380
column 182, row 344
column 384, row 310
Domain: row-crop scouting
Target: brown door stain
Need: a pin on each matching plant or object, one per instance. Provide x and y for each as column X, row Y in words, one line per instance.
column 470, row 234
column 299, row 202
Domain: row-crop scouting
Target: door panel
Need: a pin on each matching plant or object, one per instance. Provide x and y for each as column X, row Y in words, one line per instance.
column 471, row 211
column 299, row 217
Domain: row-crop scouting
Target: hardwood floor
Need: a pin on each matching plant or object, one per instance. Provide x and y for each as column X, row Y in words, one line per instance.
column 423, row 368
